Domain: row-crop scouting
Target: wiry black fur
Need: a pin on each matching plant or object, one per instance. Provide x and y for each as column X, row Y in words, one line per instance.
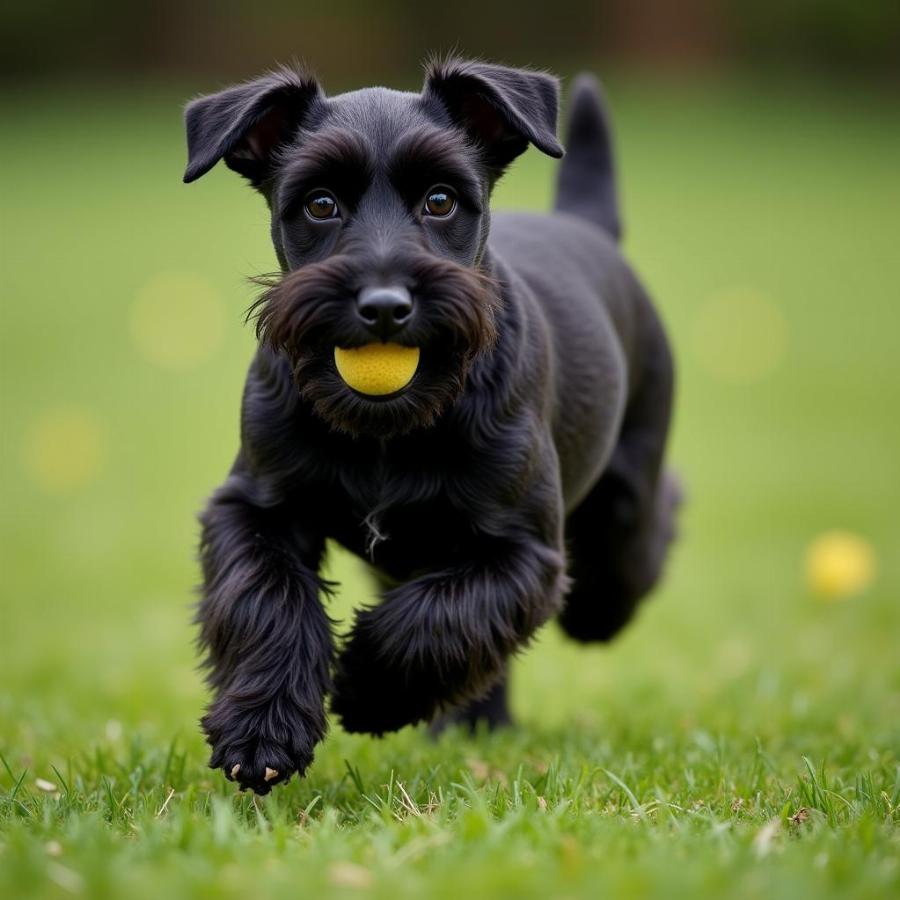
column 265, row 634
column 301, row 313
column 534, row 429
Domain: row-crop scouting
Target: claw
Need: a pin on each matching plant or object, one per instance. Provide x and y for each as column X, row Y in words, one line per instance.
column 271, row 773
column 235, row 769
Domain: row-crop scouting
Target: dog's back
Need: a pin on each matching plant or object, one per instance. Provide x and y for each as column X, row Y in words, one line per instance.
column 598, row 313
column 579, row 283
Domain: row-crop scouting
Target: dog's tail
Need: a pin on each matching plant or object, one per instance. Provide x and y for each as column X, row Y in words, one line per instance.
column 586, row 185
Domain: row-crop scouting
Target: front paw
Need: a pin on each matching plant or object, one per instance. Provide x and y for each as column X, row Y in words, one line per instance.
column 256, row 747
column 375, row 695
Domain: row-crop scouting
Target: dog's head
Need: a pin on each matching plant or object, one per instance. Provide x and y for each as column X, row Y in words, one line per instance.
column 379, row 205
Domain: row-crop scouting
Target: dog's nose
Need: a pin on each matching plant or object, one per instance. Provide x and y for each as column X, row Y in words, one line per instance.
column 385, row 310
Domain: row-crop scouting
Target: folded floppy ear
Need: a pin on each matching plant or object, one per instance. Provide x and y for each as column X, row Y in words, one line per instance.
column 502, row 109
column 245, row 124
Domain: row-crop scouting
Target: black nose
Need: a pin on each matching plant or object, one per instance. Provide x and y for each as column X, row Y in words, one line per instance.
column 385, row 310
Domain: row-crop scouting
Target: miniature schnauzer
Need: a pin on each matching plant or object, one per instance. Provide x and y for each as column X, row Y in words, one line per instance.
column 516, row 477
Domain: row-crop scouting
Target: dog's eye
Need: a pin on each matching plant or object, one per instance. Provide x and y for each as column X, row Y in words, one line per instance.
column 440, row 202
column 321, row 205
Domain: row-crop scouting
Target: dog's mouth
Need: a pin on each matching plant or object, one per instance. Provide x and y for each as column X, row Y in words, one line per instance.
column 357, row 384
column 377, row 371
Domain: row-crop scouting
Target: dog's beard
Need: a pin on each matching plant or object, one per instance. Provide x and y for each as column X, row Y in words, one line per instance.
column 306, row 313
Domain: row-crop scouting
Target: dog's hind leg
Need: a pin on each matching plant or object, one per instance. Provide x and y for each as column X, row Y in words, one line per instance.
column 490, row 710
column 619, row 535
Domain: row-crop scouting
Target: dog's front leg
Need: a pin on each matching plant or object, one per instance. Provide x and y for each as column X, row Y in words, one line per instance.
column 445, row 637
column 266, row 636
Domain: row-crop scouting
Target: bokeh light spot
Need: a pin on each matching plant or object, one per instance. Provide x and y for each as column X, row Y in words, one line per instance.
column 740, row 336
column 177, row 320
column 63, row 450
column 839, row 565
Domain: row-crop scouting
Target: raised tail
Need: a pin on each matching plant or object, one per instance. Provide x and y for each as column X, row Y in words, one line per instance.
column 586, row 185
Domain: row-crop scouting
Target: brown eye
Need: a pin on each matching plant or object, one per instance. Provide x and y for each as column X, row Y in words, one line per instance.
column 440, row 202
column 321, row 205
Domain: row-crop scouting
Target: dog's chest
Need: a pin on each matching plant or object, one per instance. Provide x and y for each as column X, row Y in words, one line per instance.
column 402, row 516
column 402, row 539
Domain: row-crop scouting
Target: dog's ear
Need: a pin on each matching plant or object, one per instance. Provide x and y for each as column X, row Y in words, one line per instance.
column 502, row 109
column 244, row 124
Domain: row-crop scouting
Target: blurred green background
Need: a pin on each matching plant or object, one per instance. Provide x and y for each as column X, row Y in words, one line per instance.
column 758, row 152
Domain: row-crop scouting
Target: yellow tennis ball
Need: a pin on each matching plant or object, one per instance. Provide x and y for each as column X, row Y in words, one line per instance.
column 839, row 564
column 377, row 369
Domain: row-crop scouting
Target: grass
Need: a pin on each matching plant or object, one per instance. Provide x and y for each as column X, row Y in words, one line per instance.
column 741, row 739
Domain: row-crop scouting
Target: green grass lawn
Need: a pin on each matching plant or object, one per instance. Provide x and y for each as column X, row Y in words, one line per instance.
column 741, row 739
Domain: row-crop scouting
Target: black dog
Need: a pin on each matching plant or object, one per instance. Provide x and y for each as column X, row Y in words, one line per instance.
column 533, row 430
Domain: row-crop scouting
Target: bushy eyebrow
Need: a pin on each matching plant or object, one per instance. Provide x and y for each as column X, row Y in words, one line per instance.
column 427, row 156
column 334, row 158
